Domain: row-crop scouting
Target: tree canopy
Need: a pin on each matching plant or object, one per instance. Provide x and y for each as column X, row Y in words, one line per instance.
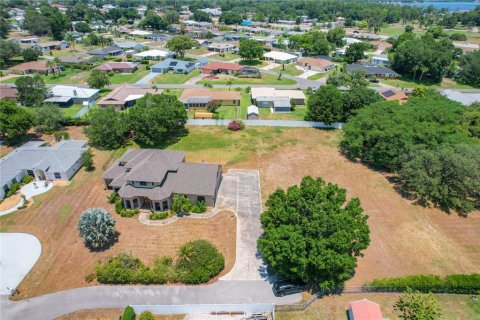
column 107, row 128
column 8, row 50
column 414, row 305
column 98, row 79
column 31, row 91
column 470, row 68
column 312, row 43
column 14, row 122
column 313, row 234
column 250, row 49
column 181, row 43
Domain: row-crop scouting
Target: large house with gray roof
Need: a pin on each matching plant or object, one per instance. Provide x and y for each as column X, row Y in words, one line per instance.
column 175, row 65
column 33, row 158
column 149, row 178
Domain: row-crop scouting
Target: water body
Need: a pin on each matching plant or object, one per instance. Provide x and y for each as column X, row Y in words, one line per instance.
column 450, row 6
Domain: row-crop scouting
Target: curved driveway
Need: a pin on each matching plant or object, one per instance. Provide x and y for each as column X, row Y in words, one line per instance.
column 245, row 283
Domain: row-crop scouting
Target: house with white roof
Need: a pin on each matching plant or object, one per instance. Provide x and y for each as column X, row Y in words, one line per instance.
column 153, row 55
column 65, row 96
column 464, row 98
column 276, row 100
column 42, row 162
column 280, row 57
column 380, row 60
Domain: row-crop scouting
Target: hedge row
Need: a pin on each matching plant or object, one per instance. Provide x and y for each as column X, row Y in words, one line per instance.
column 457, row 283
column 199, row 262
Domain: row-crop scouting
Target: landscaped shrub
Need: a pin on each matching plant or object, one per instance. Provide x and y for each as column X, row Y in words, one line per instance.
column 112, row 197
column 199, row 207
column 61, row 135
column 87, row 160
column 128, row 313
column 110, row 73
column 181, row 204
column 199, row 261
column 97, row 228
column 119, row 209
column 458, row 283
column 27, row 179
column 146, row 315
column 12, row 189
column 159, row 215
column 236, row 125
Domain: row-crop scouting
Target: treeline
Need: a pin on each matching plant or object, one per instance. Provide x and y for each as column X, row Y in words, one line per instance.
column 457, row 283
column 430, row 143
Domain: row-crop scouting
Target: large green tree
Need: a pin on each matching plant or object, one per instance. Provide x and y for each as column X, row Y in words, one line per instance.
column 313, row 234
column 335, row 36
column 250, row 49
column 31, row 91
column 470, row 68
column 230, row 17
column 4, row 28
column 413, row 305
column 107, row 128
column 313, row 43
column 31, row 54
column 8, row 50
column 181, row 43
column 471, row 120
column 98, row 79
column 325, row 105
column 49, row 117
column 156, row 117
column 14, row 122
column 355, row 52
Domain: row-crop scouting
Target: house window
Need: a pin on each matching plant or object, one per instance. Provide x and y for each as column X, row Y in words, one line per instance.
column 201, row 199
column 30, row 173
column 5, row 188
column 135, row 203
column 157, row 206
column 57, row 175
column 14, row 180
column 143, row 183
column 165, row 205
column 127, row 204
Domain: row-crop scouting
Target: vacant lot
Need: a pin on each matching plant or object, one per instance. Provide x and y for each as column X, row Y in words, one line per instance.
column 65, row 262
column 265, row 79
column 454, row 307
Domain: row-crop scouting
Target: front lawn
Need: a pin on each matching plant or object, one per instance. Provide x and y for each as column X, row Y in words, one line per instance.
column 227, row 56
column 289, row 69
column 130, row 77
column 72, row 110
column 253, row 63
column 174, row 78
column 198, row 51
column 404, row 82
column 68, row 76
column 267, row 79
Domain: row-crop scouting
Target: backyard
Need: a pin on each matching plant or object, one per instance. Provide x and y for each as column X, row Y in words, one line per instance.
column 297, row 114
column 227, row 56
column 266, row 79
column 289, row 69
column 404, row 82
column 174, row 78
column 72, row 110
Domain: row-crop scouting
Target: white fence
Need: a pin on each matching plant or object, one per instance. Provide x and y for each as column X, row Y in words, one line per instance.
column 246, row 308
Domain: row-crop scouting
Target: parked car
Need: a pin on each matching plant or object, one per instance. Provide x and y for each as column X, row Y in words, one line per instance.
column 282, row 288
column 374, row 81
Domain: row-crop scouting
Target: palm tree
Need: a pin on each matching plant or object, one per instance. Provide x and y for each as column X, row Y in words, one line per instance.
column 70, row 40
column 229, row 84
column 185, row 252
column 51, row 65
column 57, row 63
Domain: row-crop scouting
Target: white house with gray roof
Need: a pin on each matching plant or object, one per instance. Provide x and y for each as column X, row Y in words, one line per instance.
column 149, row 178
column 33, row 158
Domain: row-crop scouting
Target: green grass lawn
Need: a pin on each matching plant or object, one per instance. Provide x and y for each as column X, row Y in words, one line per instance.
column 266, row 79
column 174, row 78
column 318, row 76
column 290, row 69
column 68, row 76
column 227, row 112
column 72, row 110
column 408, row 83
column 244, row 104
column 129, row 78
column 253, row 63
column 297, row 114
column 64, row 211
column 198, row 51
column 175, row 92
column 227, row 56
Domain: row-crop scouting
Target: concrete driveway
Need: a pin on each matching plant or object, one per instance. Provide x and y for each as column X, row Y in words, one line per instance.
column 18, row 253
column 149, row 77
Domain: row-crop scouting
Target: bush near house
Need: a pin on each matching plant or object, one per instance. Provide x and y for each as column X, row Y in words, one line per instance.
column 146, row 315
column 159, row 215
column 27, row 179
column 236, row 125
column 128, row 313
column 456, row 283
column 97, row 228
column 198, row 262
column 181, row 204
column 61, row 135
column 14, row 187
column 119, row 209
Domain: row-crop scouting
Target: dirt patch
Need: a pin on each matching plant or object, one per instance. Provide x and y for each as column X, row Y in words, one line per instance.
column 10, row 202
column 65, row 261
column 406, row 239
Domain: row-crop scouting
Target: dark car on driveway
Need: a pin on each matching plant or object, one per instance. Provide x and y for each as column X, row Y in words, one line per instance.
column 282, row 288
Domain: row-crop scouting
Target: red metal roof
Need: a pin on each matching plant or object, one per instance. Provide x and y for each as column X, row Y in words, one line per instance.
column 365, row 310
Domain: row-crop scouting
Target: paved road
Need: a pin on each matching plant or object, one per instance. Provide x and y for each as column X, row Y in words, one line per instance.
column 57, row 304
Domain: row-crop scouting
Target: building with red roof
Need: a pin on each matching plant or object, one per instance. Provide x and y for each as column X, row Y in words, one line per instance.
column 220, row 67
column 364, row 310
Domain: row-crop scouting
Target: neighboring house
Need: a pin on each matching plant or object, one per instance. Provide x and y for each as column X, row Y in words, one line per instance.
column 215, row 12
column 52, row 45
column 316, row 64
column 220, row 67
column 149, row 179
column 8, row 93
column 153, row 55
column 122, row 67
column 177, row 66
column 380, row 60
column 125, row 96
column 235, row 36
column 381, row 45
column 65, row 96
column 276, row 100
column 377, row 71
column 222, row 47
column 464, row 98
column 78, row 59
column 394, row 95
column 108, row 51
column 141, row 33
column 42, row 162
column 280, row 57
column 364, row 310
column 201, row 98
column 26, row 40
column 130, row 45
column 32, row 67
column 252, row 112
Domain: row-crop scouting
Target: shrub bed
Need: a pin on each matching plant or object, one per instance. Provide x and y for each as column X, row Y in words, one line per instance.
column 199, row 262
column 159, row 215
column 119, row 209
column 457, row 283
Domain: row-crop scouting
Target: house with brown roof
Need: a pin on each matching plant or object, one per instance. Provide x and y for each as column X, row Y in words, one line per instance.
column 394, row 95
column 149, row 179
column 221, row 67
column 8, row 93
column 122, row 67
column 125, row 96
column 33, row 67
column 316, row 64
column 201, row 98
